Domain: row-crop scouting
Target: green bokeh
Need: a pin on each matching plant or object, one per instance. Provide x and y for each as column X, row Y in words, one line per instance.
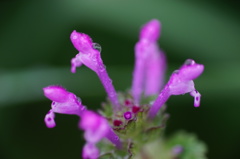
column 35, row 51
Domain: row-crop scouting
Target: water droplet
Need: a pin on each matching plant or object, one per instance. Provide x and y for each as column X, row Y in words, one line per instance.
column 175, row 72
column 83, row 108
column 189, row 62
column 102, row 68
column 97, row 47
column 79, row 100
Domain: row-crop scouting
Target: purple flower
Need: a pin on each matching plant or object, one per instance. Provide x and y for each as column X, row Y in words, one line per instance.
column 127, row 115
column 63, row 102
column 148, row 75
column 89, row 55
column 181, row 82
column 150, row 62
column 90, row 151
column 96, row 128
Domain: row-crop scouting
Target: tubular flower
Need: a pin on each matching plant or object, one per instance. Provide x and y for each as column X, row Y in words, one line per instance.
column 89, row 55
column 96, row 128
column 149, row 62
column 63, row 102
column 181, row 82
column 131, row 121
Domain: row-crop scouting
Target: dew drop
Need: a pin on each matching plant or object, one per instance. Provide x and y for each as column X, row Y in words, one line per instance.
column 83, row 108
column 175, row 72
column 79, row 100
column 102, row 68
column 189, row 62
column 96, row 46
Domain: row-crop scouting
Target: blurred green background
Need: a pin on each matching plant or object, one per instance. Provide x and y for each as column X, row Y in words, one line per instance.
column 35, row 52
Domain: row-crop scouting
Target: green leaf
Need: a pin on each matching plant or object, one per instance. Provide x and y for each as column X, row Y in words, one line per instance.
column 192, row 147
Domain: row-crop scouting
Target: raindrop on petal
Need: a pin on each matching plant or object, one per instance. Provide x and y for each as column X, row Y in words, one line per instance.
column 175, row 72
column 79, row 100
column 96, row 46
column 189, row 62
column 102, row 68
column 83, row 108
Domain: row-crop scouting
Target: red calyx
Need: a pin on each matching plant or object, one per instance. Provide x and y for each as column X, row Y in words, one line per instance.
column 127, row 102
column 117, row 122
column 135, row 109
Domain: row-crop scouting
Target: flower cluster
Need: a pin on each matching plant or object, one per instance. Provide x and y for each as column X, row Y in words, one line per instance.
column 128, row 119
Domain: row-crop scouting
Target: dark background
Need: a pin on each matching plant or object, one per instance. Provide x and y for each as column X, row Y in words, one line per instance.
column 35, row 52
